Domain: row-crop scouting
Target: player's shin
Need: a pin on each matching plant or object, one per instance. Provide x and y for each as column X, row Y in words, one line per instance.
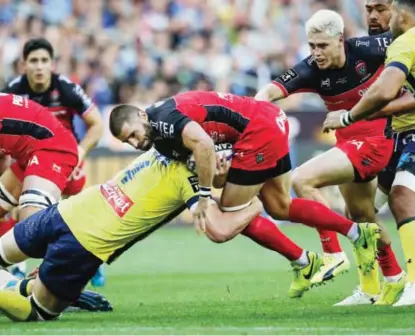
column 265, row 233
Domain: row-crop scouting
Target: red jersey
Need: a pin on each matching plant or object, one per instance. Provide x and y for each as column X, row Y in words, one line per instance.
column 223, row 116
column 26, row 127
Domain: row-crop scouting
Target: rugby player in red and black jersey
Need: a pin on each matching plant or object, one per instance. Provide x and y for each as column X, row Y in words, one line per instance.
column 192, row 122
column 341, row 71
column 64, row 99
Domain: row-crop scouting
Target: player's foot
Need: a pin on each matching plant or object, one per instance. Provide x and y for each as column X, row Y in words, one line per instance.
column 391, row 291
column 19, row 270
column 302, row 275
column 366, row 246
column 98, row 280
column 334, row 265
column 408, row 296
column 357, row 298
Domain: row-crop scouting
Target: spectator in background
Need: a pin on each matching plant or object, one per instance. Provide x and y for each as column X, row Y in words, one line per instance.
column 124, row 51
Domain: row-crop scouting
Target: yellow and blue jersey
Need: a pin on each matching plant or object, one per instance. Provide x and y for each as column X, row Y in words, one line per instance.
column 401, row 54
column 108, row 219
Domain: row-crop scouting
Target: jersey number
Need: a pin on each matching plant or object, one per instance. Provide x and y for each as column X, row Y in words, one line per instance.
column 358, row 144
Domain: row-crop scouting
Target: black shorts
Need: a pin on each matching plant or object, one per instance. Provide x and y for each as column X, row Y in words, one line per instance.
column 67, row 266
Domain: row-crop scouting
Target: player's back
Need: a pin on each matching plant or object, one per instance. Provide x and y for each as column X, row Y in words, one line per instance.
column 109, row 218
column 402, row 51
column 25, row 126
column 223, row 107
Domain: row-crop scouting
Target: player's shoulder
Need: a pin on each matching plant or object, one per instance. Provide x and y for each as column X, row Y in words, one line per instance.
column 16, row 85
column 368, row 45
column 405, row 41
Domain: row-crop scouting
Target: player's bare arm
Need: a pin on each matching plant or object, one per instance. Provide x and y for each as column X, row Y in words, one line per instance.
column 202, row 146
column 383, row 91
column 95, row 128
column 403, row 104
column 270, row 92
column 223, row 226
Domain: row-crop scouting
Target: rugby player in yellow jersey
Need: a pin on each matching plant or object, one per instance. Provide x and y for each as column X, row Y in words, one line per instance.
column 77, row 235
column 399, row 72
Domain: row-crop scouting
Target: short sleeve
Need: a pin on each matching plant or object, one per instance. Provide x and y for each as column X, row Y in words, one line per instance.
column 301, row 78
column 74, row 96
column 401, row 55
column 189, row 188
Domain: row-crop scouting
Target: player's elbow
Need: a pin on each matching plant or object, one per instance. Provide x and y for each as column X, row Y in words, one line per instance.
column 219, row 235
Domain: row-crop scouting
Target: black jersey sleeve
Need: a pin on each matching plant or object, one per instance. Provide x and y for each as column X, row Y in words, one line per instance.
column 73, row 96
column 166, row 120
column 300, row 78
column 373, row 46
column 14, row 86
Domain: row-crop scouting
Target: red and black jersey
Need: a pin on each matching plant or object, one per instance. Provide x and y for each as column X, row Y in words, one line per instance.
column 26, row 127
column 63, row 98
column 343, row 88
column 223, row 116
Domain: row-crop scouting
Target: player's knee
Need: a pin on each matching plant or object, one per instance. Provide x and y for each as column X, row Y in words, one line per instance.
column 35, row 199
column 301, row 182
column 40, row 312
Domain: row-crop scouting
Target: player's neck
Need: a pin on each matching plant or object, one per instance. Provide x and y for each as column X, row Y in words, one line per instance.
column 339, row 62
column 39, row 87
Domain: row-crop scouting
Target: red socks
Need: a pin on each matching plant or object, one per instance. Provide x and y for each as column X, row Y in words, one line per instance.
column 317, row 215
column 329, row 241
column 265, row 233
column 387, row 261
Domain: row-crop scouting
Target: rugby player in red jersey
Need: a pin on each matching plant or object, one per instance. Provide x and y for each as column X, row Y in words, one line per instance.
column 192, row 122
column 45, row 155
column 64, row 99
column 341, row 71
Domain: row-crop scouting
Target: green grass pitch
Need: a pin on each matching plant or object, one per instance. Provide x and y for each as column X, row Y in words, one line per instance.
column 176, row 282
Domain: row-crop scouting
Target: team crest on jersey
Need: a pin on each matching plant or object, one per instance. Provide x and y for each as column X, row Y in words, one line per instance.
column 259, row 158
column 361, row 68
column 54, row 97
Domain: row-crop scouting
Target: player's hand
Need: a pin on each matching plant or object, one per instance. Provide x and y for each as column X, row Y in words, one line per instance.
column 333, row 121
column 200, row 219
column 222, row 165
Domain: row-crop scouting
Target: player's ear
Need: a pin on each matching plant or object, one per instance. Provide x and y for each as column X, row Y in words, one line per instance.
column 142, row 114
column 341, row 39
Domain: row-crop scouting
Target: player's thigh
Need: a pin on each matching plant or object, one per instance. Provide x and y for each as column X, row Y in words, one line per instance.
column 329, row 168
column 10, row 252
column 275, row 196
column 45, row 180
column 235, row 196
column 10, row 188
column 359, row 199
column 33, row 235
column 67, row 266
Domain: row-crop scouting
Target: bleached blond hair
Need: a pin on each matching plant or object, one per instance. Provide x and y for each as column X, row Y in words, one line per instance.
column 325, row 21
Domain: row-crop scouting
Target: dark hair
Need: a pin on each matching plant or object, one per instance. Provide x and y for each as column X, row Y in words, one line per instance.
column 120, row 115
column 36, row 44
column 408, row 3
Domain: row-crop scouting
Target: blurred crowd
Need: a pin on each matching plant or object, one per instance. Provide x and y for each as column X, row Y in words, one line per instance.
column 144, row 50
